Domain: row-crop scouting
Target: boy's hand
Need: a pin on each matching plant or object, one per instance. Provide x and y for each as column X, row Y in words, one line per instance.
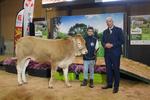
column 108, row 45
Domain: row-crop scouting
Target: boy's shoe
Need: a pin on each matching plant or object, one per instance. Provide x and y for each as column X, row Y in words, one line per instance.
column 115, row 90
column 84, row 83
column 91, row 85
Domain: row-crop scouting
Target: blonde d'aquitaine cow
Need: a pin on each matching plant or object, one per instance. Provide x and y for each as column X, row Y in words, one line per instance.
column 58, row 52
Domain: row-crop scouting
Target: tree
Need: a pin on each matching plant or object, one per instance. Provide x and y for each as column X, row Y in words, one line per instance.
column 78, row 29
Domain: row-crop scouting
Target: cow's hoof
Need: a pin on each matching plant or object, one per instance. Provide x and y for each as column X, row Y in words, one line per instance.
column 69, row 85
column 20, row 84
column 50, row 87
column 25, row 82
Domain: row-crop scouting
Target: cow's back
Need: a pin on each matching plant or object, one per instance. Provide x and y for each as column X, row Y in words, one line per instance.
column 43, row 49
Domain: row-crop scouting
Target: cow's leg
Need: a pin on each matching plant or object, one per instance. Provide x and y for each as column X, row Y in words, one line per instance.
column 50, row 84
column 19, row 71
column 65, row 70
column 25, row 64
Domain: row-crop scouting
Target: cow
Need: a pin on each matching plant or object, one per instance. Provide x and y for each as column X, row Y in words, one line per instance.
column 57, row 52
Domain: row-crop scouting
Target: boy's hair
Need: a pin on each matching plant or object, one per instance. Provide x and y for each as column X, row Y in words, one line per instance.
column 90, row 28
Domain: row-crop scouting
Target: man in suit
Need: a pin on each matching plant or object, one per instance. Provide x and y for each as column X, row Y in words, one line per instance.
column 112, row 41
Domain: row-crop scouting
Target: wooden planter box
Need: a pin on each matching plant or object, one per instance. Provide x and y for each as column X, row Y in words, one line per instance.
column 11, row 69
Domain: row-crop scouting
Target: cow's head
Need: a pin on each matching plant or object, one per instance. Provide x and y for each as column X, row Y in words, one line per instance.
column 80, row 45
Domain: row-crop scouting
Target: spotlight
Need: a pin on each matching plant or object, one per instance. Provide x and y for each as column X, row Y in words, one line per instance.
column 106, row 0
column 109, row 0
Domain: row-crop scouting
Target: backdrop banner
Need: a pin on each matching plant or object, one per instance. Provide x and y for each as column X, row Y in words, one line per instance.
column 28, row 15
column 71, row 25
column 18, row 27
column 140, row 30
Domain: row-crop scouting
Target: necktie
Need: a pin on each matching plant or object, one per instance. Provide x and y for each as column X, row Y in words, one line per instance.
column 110, row 31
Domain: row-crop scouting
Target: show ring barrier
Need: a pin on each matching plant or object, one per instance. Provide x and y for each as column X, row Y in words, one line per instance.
column 128, row 67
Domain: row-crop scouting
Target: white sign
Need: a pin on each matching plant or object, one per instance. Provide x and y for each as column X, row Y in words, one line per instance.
column 140, row 42
column 140, row 30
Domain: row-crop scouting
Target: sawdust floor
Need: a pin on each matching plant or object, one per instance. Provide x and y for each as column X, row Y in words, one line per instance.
column 37, row 89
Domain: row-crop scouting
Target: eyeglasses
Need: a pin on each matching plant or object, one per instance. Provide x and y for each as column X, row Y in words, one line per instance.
column 90, row 31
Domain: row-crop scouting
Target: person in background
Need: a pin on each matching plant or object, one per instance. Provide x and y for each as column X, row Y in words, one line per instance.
column 89, row 59
column 112, row 41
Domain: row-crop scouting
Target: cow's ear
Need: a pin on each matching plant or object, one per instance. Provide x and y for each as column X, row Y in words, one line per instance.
column 78, row 35
column 71, row 35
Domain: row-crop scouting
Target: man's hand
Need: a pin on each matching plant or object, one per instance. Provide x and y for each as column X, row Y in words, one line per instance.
column 108, row 45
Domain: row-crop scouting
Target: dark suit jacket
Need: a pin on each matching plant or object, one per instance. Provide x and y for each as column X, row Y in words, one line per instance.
column 116, row 38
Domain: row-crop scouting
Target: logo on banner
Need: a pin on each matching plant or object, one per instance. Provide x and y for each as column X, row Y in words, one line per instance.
column 29, row 3
column 19, row 20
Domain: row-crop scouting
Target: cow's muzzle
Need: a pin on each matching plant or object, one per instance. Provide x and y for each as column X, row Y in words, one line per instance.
column 83, row 51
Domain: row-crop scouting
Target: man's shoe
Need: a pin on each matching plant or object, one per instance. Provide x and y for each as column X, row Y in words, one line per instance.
column 91, row 85
column 115, row 90
column 84, row 83
column 106, row 87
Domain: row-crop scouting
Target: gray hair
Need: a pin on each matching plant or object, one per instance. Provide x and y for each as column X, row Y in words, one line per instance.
column 109, row 18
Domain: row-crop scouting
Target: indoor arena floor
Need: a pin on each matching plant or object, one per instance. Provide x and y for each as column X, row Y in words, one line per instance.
column 37, row 89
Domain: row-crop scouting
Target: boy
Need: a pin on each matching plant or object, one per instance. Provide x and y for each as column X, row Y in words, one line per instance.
column 90, row 58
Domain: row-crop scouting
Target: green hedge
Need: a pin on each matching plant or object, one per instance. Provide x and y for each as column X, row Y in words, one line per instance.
column 98, row 78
